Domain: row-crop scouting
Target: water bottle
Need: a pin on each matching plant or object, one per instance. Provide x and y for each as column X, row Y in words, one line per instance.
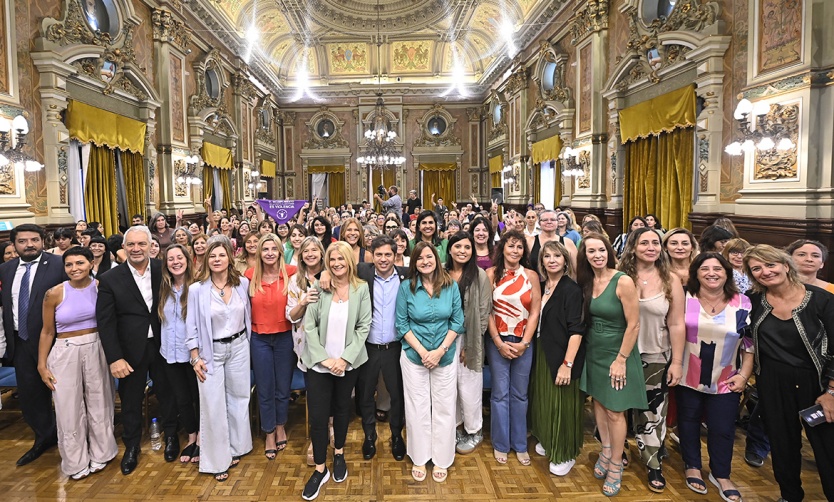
column 156, row 435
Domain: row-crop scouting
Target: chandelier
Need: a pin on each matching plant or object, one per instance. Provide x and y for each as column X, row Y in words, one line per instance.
column 765, row 130
column 574, row 162
column 381, row 150
column 11, row 145
column 187, row 174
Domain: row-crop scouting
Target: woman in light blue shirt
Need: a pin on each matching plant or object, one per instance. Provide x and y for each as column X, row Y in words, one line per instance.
column 429, row 318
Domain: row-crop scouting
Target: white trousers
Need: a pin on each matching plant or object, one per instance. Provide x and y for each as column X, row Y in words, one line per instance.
column 469, row 410
column 224, row 407
column 84, row 396
column 430, row 397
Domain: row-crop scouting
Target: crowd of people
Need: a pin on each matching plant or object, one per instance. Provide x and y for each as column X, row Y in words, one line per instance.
column 396, row 312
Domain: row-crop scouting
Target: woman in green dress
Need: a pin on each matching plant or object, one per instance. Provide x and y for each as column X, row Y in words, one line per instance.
column 612, row 360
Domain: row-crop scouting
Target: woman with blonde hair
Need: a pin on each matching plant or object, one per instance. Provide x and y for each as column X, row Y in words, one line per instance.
column 247, row 255
column 273, row 358
column 198, row 252
column 682, row 248
column 336, row 327
column 733, row 252
column 353, row 233
column 218, row 326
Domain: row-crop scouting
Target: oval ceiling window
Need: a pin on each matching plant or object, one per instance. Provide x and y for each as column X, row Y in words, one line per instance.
column 436, row 125
column 657, row 9
column 101, row 15
column 212, row 83
column 325, row 128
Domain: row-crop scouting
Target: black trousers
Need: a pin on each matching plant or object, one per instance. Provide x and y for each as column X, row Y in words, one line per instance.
column 185, row 399
column 784, row 390
column 329, row 395
column 35, row 396
column 387, row 362
column 132, row 393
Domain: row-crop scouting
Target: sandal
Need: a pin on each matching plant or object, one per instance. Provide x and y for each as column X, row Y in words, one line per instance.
column 657, row 483
column 613, row 487
column 235, row 462
column 725, row 494
column 418, row 472
column 625, row 454
column 271, row 454
column 499, row 456
column 220, row 477
column 195, row 457
column 599, row 471
column 696, row 484
column 439, row 474
column 188, row 453
column 523, row 457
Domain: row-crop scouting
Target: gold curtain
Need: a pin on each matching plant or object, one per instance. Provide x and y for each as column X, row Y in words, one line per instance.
column 537, row 182
column 439, row 179
column 557, row 180
column 546, row 149
column 226, row 187
column 267, row 169
column 133, row 167
column 217, row 156
column 336, row 188
column 496, row 166
column 100, row 190
column 326, row 169
column 662, row 114
column 89, row 124
column 208, row 181
column 659, row 176
column 386, row 178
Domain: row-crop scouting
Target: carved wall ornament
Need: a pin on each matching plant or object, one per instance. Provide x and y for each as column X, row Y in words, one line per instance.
column 180, row 171
column 583, row 182
column 211, row 84
column 63, row 174
column 324, row 131
column 243, row 86
column 550, row 76
column 775, row 164
column 517, row 81
column 592, row 18
column 474, row 114
column 74, row 29
column 437, row 128
column 168, row 29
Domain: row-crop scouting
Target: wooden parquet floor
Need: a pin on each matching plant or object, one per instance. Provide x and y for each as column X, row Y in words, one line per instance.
column 474, row 477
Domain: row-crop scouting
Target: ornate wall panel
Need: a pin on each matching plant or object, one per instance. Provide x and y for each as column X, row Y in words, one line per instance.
column 779, row 24
column 584, row 84
column 735, row 69
column 177, row 100
column 407, row 57
column 348, row 58
column 5, row 50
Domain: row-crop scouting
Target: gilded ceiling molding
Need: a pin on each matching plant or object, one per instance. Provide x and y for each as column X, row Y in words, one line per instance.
column 590, row 19
column 324, row 131
column 437, row 128
column 168, row 29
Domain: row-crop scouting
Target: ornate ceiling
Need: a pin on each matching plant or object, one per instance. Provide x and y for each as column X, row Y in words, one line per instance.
column 330, row 46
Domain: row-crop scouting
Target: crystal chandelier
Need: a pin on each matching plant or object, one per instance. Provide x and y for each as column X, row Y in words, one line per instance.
column 381, row 150
column 12, row 143
column 764, row 132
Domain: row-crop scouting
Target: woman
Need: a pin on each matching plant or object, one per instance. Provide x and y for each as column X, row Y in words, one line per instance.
column 682, row 249
column 429, row 318
column 353, row 233
column 336, row 327
column 660, row 342
column 194, row 230
column 198, row 252
column 452, row 228
column 427, row 231
column 620, row 241
column 283, row 232
column 556, row 405
column 115, row 244
column 717, row 320
column 227, row 230
column 734, row 253
column 402, row 258
column 160, row 229
column 218, row 327
column 321, row 229
column 484, row 237
column 516, row 305
column 265, row 227
column 371, row 233
column 7, row 251
column 809, row 257
column 726, row 224
column 63, row 240
column 75, row 369
column 101, row 257
column 476, row 292
column 177, row 275
column 241, row 232
column 564, row 228
column 80, row 226
column 182, row 237
column 272, row 344
column 248, row 256
column 653, row 222
column 156, row 249
column 291, row 247
column 793, row 336
column 713, row 239
column 612, row 359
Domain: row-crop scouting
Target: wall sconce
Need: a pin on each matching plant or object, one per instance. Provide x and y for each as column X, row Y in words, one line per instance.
column 575, row 162
column 11, row 144
column 186, row 170
column 767, row 129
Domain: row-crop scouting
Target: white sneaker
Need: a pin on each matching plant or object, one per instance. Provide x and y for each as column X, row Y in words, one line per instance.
column 540, row 450
column 562, row 469
column 95, row 466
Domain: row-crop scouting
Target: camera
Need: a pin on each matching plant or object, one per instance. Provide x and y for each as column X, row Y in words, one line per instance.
column 381, row 190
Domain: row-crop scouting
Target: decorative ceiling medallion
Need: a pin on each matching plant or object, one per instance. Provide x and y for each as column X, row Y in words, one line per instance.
column 355, row 17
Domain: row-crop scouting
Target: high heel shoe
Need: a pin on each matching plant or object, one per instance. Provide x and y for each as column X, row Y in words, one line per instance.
column 599, row 471
column 613, row 487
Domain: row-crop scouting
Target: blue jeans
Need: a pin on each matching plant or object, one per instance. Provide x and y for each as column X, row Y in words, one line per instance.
column 273, row 362
column 757, row 441
column 508, row 401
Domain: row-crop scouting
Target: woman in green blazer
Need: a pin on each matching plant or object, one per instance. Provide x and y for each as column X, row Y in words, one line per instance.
column 336, row 327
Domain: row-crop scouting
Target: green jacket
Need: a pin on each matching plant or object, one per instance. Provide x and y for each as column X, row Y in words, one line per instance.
column 358, row 326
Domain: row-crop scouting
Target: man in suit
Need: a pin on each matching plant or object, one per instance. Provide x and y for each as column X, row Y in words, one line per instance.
column 129, row 327
column 383, row 280
column 24, row 281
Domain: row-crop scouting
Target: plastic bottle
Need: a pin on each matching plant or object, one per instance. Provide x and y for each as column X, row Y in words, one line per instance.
column 156, row 435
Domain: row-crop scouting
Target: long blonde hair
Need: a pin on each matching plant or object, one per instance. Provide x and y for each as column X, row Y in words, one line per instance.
column 256, row 284
column 301, row 273
column 344, row 249
column 166, row 289
column 353, row 221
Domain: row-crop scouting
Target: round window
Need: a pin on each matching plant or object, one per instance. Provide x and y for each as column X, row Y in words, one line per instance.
column 657, row 9
column 212, row 83
column 101, row 15
column 436, row 125
column 325, row 128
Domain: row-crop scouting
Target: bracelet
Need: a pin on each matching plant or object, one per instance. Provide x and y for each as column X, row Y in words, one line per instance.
column 445, row 348
column 526, row 344
column 830, row 392
column 195, row 361
column 622, row 355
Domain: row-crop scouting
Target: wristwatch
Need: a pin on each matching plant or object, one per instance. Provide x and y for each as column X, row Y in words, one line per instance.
column 526, row 344
column 567, row 363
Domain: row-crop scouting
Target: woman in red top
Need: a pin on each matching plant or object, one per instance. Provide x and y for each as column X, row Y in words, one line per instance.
column 273, row 358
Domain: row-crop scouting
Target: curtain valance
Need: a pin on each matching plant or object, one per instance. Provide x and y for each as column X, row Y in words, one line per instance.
column 217, row 156
column 89, row 124
column 496, row 164
column 546, row 149
column 438, row 166
column 326, row 169
column 662, row 114
column 267, row 168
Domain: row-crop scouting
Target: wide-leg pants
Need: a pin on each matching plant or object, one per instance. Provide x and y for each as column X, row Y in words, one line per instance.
column 469, row 410
column 84, row 397
column 650, row 424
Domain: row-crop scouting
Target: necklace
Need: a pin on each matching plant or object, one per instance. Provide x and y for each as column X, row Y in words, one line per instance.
column 712, row 306
column 223, row 289
column 548, row 288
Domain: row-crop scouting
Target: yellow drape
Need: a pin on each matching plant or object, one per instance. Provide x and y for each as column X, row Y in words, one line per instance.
column 133, row 167
column 386, row 178
column 336, row 188
column 439, row 179
column 217, row 156
column 546, row 149
column 89, row 124
column 557, row 179
column 100, row 190
column 208, row 181
column 326, row 169
column 267, row 169
column 496, row 164
column 226, row 188
column 659, row 176
column 661, row 114
column 537, row 183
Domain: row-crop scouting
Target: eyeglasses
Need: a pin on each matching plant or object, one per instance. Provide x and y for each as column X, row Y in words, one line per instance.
column 736, row 252
column 391, row 227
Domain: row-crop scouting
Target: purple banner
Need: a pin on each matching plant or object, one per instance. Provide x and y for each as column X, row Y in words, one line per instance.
column 281, row 211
